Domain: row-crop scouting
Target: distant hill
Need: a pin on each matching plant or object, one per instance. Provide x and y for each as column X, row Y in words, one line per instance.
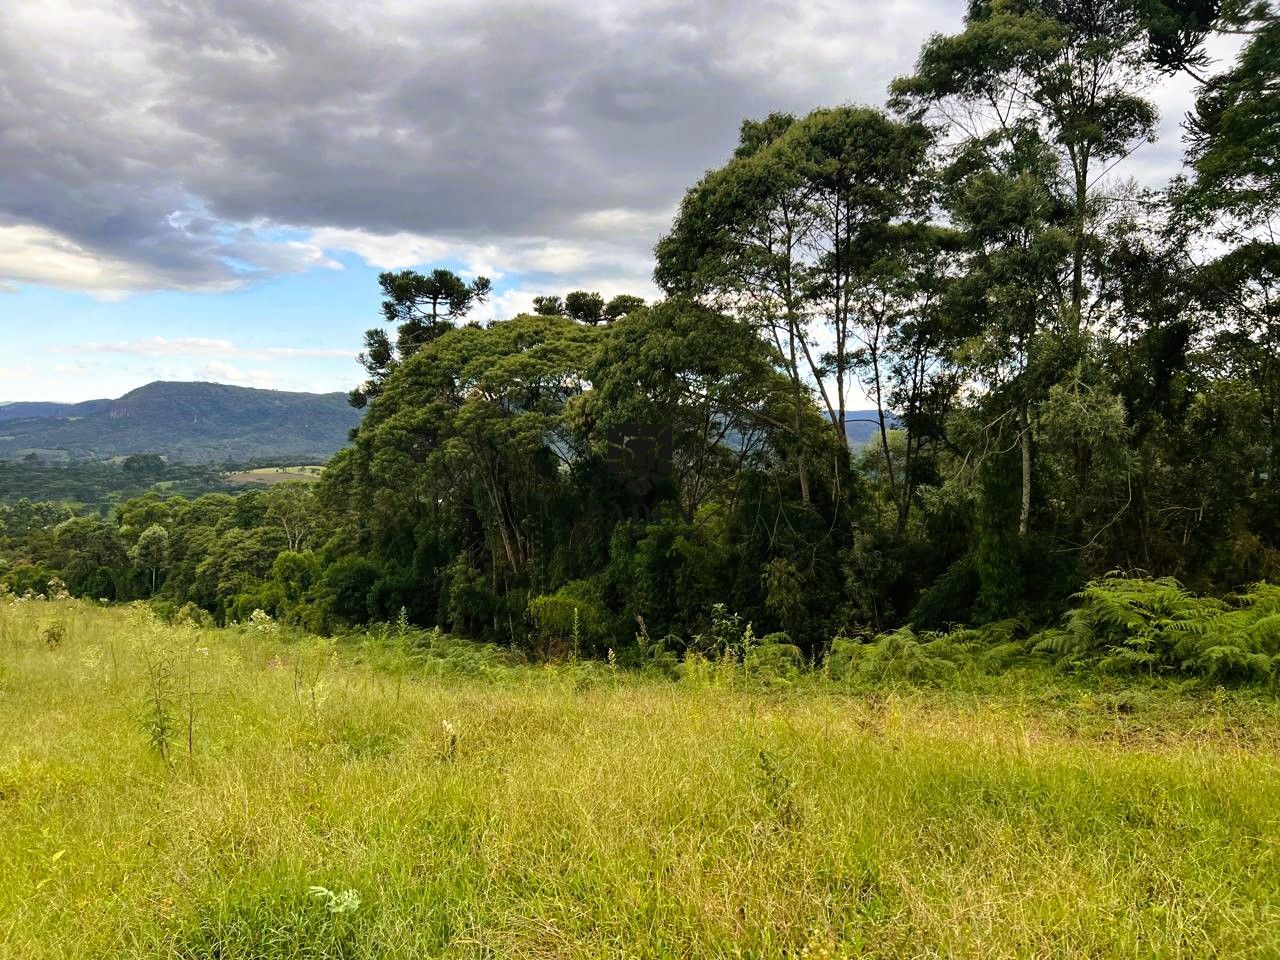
column 863, row 426
column 27, row 411
column 185, row 422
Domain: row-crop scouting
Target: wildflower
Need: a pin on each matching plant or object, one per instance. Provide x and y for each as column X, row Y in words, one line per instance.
column 262, row 621
column 451, row 738
column 348, row 901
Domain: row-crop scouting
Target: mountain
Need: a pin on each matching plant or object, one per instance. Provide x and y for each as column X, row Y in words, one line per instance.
column 185, row 422
column 27, row 411
column 863, row 426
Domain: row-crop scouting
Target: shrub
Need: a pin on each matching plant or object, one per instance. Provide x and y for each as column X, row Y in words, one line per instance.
column 898, row 655
column 573, row 617
column 775, row 657
column 1156, row 626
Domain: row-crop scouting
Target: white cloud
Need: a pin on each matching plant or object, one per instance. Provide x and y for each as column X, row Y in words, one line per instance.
column 201, row 347
column 507, row 305
column 614, row 219
column 395, row 251
column 608, row 265
column 32, row 254
column 8, row 374
column 229, row 373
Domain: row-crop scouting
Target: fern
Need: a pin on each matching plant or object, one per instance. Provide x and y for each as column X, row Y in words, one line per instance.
column 898, row 655
column 1156, row 626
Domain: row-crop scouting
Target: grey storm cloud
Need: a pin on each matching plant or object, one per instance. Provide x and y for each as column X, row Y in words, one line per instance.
column 166, row 143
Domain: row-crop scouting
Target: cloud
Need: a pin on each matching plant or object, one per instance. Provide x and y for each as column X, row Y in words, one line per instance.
column 17, row 373
column 228, row 373
column 602, row 262
column 201, row 144
column 509, row 304
column 201, row 347
column 37, row 255
column 400, row 250
column 152, row 145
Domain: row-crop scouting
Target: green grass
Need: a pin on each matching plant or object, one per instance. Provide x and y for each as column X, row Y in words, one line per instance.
column 483, row 809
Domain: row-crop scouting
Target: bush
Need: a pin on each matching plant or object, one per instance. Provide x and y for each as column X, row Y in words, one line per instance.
column 348, row 583
column 571, row 618
column 898, row 655
column 775, row 657
column 1156, row 626
column 950, row 598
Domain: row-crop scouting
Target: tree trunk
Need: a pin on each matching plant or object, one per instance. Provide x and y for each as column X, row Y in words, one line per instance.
column 1024, row 517
column 799, row 411
column 1077, row 254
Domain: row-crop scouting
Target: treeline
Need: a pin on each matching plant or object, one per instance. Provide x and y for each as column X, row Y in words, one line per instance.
column 227, row 555
column 1070, row 376
column 101, row 484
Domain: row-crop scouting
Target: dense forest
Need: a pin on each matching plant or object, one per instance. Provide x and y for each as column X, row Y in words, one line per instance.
column 1070, row 375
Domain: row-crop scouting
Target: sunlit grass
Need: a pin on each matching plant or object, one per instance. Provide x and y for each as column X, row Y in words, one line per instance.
column 270, row 476
column 578, row 811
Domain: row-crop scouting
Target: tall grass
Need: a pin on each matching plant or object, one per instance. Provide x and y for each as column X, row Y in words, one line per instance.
column 399, row 797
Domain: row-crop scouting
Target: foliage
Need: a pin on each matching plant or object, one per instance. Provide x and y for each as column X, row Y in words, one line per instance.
column 1156, row 626
column 898, row 655
column 422, row 307
column 1057, row 386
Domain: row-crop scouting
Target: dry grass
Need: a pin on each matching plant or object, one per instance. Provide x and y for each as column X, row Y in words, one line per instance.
column 270, row 476
column 579, row 812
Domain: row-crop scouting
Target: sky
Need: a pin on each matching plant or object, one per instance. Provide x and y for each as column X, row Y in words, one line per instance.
column 208, row 189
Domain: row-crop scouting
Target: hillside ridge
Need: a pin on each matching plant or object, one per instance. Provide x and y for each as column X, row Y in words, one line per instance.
column 187, row 421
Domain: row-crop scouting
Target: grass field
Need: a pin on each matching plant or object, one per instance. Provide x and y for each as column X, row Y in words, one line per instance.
column 270, row 476
column 453, row 805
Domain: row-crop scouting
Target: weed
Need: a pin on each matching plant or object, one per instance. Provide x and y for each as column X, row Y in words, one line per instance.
column 54, row 634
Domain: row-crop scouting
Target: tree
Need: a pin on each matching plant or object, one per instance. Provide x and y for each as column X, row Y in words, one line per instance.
column 151, row 552
column 587, row 307
column 903, row 352
column 790, row 236
column 1018, row 234
column 865, row 190
column 584, row 307
column 145, row 464
column 1233, row 196
column 705, row 379
column 736, row 245
column 1072, row 70
column 293, row 506
column 548, row 306
column 621, row 305
column 423, row 307
column 472, row 423
column 1234, row 131
column 91, row 555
